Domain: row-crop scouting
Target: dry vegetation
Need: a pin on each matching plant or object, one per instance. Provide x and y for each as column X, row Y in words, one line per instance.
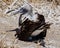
column 49, row 8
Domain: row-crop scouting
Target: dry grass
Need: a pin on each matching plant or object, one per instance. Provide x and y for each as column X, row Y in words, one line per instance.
column 8, row 40
column 8, row 2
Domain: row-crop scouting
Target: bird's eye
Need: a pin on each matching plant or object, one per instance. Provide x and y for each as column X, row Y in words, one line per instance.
column 23, row 10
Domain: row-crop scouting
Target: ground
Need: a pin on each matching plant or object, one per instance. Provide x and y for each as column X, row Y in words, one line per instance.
column 51, row 13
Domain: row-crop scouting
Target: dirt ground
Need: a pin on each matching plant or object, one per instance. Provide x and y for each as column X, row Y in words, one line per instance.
column 51, row 13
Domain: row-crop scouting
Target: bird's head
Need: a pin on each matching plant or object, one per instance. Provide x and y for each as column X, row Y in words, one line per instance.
column 25, row 8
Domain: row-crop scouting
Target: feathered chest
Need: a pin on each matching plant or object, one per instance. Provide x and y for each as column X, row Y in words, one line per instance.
column 33, row 18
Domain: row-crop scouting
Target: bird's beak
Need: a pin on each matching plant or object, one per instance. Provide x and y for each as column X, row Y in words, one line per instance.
column 14, row 12
column 9, row 11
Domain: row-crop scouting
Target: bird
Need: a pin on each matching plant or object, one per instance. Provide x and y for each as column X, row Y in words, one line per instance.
column 30, row 21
